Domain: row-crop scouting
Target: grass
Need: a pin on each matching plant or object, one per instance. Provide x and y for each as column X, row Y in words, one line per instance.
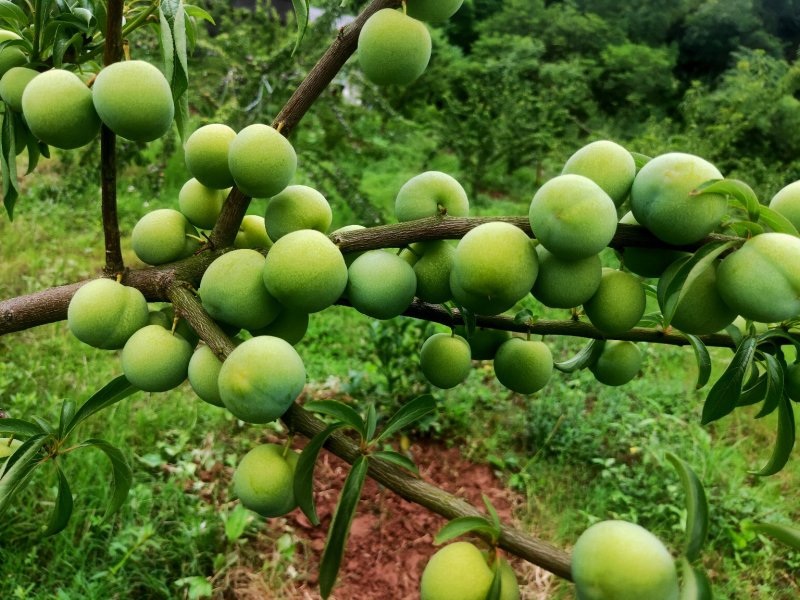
column 578, row 452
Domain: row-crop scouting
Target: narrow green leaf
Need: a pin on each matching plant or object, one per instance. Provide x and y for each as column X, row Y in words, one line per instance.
column 19, row 428
column 121, row 474
column 694, row 582
column 62, row 511
column 340, row 411
column 776, row 221
column 340, row 527
column 43, row 425
column 640, row 160
column 784, row 441
column 67, row 414
column 492, row 511
column 738, row 190
column 301, row 16
column 304, row 472
column 696, row 507
column 173, row 47
column 743, row 229
column 497, row 582
column 12, row 14
column 8, row 163
column 401, row 460
column 703, row 359
column 585, row 358
column 19, row 468
column 724, row 395
column 755, row 393
column 774, row 392
column 783, row 533
column 111, row 393
column 410, row 412
column 236, row 522
column 198, row 13
column 372, row 422
column 463, row 525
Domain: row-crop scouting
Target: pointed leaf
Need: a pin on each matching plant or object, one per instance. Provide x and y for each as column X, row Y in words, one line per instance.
column 19, row 468
column 463, row 525
column 695, row 584
column 12, row 14
column 755, row 393
column 774, row 392
column 784, row 441
column 738, row 190
column 197, row 12
column 111, row 393
column 67, row 414
column 372, row 422
column 121, row 474
column 783, row 533
column 340, row 527
column 497, row 582
column 339, row 411
column 640, row 160
column 401, row 460
column 410, row 412
column 301, row 11
column 492, row 511
column 776, row 221
column 19, row 428
column 696, row 507
column 8, row 163
column 585, row 358
column 304, row 472
column 62, row 510
column 724, row 395
column 703, row 359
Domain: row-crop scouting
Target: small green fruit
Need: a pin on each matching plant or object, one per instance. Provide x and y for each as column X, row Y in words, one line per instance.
column 263, row 480
column 661, row 200
column 566, row 283
column 200, row 204
column 13, row 84
column 619, row 363
column 380, row 284
column 647, row 262
column 261, row 378
column 58, row 108
column 290, row 325
column 523, row 366
column 445, row 360
column 430, row 194
column 163, row 236
column 433, row 269
column 7, row 447
column 456, row 572
column 232, row 290
column 349, row 257
column 573, row 217
column 433, row 11
column 134, row 100
column 761, row 280
column 297, row 207
column 252, row 233
column 608, row 164
column 156, row 360
column 393, row 49
column 616, row 560
column 304, row 270
column 494, row 267
column 104, row 313
column 204, row 368
column 206, row 155
column 786, row 201
column 484, row 343
column 261, row 161
column 11, row 56
column 618, row 303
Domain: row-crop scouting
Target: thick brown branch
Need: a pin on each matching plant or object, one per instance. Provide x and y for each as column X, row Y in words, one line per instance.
column 108, row 162
column 396, row 479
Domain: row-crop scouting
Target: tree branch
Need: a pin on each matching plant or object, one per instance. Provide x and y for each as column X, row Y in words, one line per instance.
column 108, row 161
column 413, row 489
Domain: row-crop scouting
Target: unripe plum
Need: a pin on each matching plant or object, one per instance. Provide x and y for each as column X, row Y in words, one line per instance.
column 523, row 366
column 232, row 290
column 380, row 284
column 305, row 271
column 617, row 560
column 445, row 360
column 163, row 236
column 290, row 325
column 58, row 108
column 204, row 368
column 252, row 233
column 261, row 378
column 297, row 207
column 761, row 280
column 786, row 201
column 494, row 267
column 661, row 200
column 606, row 163
column 206, row 155
column 483, row 343
column 10, row 56
column 261, row 161
column 433, row 271
column 433, row 11
column 104, row 313
column 349, row 257
column 566, row 283
column 200, row 204
column 393, row 49
column 7, row 447
column 13, row 84
column 618, row 363
column 134, row 100
column 156, row 360
column 263, row 480
column 429, row 194
column 573, row 217
column 647, row 262
column 456, row 572
column 618, row 303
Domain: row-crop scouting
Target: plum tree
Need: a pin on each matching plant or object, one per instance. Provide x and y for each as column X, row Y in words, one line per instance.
column 134, row 100
column 104, row 313
column 261, row 161
column 206, row 155
column 393, row 49
column 297, row 207
column 263, row 480
column 445, row 360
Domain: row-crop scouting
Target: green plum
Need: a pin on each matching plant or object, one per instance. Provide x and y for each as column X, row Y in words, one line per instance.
column 647, row 262
column 199, row 204
column 164, row 235
column 566, row 283
column 204, row 368
column 10, row 56
column 432, row 271
column 393, row 49
column 445, row 360
column 618, row 303
column 523, row 366
column 206, row 155
column 261, row 161
column 252, row 233
column 380, row 284
column 483, row 343
column 606, row 163
column 156, row 360
column 430, row 194
column 13, row 84
column 263, row 480
column 290, row 325
column 297, row 207
column 618, row 363
column 433, row 11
